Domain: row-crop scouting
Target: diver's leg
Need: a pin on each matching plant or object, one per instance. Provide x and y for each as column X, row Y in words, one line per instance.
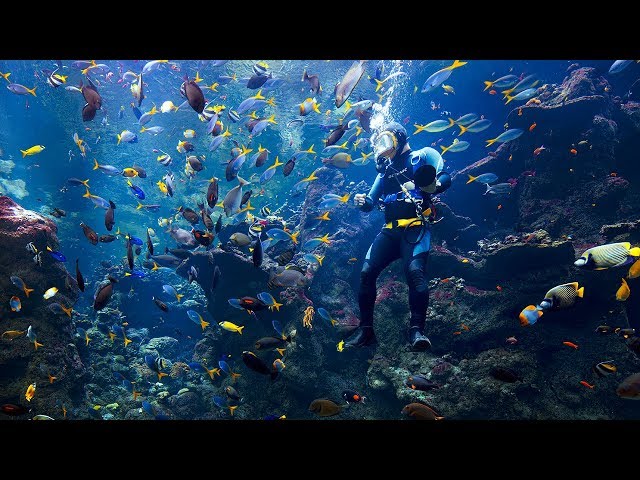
column 382, row 252
column 415, row 268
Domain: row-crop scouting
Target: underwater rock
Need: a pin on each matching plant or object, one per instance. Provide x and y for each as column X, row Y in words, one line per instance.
column 619, row 232
column 166, row 347
column 20, row 363
column 186, row 406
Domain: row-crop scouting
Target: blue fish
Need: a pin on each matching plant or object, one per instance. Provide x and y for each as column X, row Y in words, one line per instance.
column 273, row 417
column 134, row 240
column 235, row 303
column 225, row 367
column 326, row 316
column 137, row 191
column 57, row 256
column 118, row 376
column 117, row 329
column 136, row 111
column 266, row 175
column 128, row 385
column 224, row 356
column 266, row 297
column 147, row 407
column 278, row 328
column 136, row 273
column 278, row 234
column 170, row 290
column 197, row 367
column 220, row 401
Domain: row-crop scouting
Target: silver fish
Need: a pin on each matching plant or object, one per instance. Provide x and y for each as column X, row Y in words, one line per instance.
column 349, row 82
column 231, row 202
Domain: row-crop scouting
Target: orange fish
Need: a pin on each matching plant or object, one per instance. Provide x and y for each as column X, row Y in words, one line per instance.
column 539, row 150
column 492, row 92
column 457, row 333
column 465, row 327
column 613, row 174
column 573, row 151
column 570, row 344
column 445, row 280
column 499, row 206
column 52, row 378
column 533, row 125
column 587, row 384
column 499, row 288
column 520, row 111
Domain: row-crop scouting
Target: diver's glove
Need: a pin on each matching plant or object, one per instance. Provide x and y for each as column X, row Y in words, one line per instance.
column 368, row 204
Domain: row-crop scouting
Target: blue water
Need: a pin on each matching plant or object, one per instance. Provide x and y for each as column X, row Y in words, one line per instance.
column 54, row 115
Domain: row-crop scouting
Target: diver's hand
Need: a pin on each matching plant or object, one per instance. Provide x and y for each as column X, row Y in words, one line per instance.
column 359, row 199
column 409, row 185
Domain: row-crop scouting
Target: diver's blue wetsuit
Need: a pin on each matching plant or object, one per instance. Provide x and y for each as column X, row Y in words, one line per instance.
column 396, row 242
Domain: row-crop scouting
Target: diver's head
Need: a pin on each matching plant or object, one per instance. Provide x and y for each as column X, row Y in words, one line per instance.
column 390, row 142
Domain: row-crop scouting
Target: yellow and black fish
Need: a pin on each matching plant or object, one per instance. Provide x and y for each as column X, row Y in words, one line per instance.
column 605, row 368
column 607, row 256
column 562, row 296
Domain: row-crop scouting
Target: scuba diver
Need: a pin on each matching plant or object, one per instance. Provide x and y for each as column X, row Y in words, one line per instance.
column 403, row 187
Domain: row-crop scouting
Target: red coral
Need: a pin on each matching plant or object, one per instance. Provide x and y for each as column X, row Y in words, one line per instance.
column 441, row 368
column 441, row 295
column 473, row 290
column 388, row 289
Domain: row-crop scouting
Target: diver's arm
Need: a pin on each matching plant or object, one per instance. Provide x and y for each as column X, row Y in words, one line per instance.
column 443, row 182
column 426, row 175
column 373, row 196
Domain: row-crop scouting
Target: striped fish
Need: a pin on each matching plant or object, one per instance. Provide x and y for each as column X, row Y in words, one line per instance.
column 55, row 80
column 562, row 296
column 607, row 256
column 605, row 368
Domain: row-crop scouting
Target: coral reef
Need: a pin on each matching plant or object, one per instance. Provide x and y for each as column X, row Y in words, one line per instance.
column 20, row 363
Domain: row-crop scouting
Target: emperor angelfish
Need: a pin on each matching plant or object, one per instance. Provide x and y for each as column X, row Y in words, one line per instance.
column 607, row 256
column 530, row 315
column 562, row 296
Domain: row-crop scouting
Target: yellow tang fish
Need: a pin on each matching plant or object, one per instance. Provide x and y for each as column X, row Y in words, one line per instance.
column 623, row 292
column 32, row 150
column 30, row 393
column 231, row 327
column 634, row 271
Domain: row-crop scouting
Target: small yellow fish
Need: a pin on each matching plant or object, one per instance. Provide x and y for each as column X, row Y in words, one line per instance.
column 31, row 391
column 50, row 293
column 324, row 216
column 129, row 172
column 231, row 327
column 163, row 188
column 623, row 292
column 32, row 150
column 189, row 133
column 340, row 346
column 448, row 89
column 634, row 271
column 11, row 334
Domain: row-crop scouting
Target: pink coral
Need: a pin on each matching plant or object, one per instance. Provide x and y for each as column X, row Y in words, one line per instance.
column 473, row 290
